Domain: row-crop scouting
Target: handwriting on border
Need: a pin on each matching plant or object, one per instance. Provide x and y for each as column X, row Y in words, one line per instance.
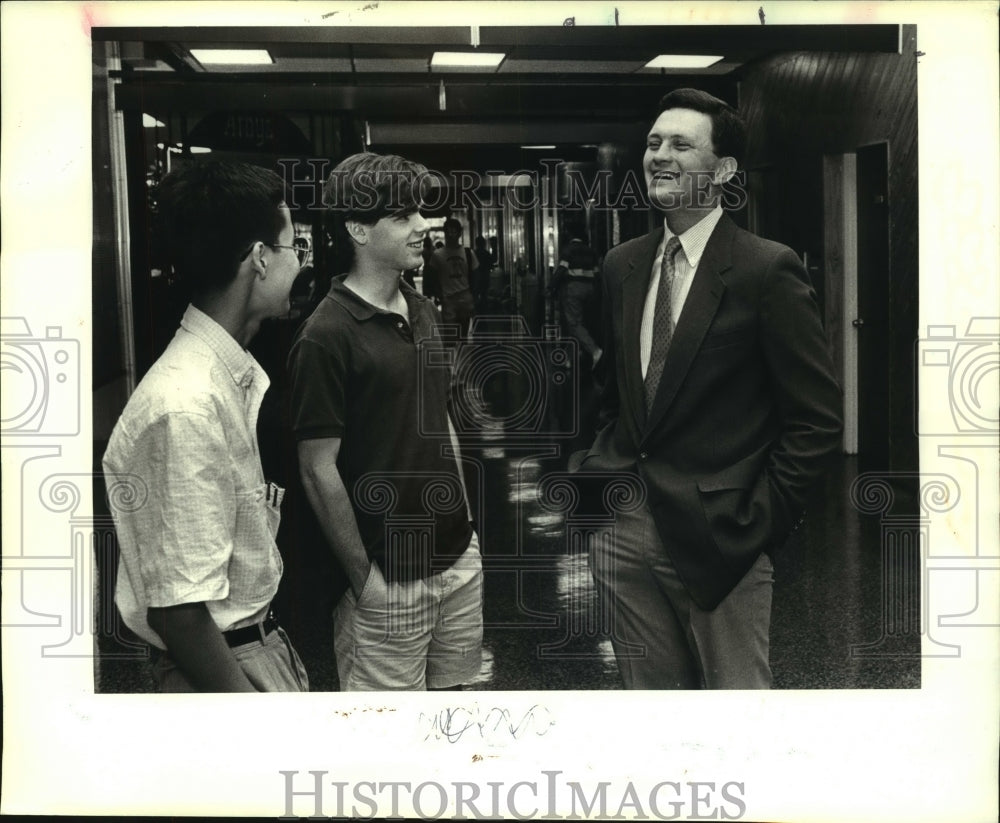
column 496, row 726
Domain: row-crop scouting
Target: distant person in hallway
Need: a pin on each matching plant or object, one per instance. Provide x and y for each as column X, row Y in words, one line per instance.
column 199, row 565
column 481, row 275
column 377, row 452
column 574, row 284
column 720, row 396
column 452, row 269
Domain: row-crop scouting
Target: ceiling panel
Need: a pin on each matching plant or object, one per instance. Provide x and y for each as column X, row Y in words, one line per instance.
column 689, row 39
column 519, row 66
column 525, row 133
column 388, row 64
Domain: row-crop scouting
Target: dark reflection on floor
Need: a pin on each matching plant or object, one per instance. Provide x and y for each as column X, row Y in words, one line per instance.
column 843, row 617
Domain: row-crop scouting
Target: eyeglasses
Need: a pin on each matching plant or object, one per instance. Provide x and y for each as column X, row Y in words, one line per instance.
column 301, row 252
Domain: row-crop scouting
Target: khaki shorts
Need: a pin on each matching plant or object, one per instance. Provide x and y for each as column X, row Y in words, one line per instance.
column 420, row 634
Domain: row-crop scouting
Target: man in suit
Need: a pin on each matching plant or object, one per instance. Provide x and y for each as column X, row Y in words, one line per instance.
column 720, row 396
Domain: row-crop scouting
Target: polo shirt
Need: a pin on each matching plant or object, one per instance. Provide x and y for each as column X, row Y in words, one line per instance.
column 380, row 382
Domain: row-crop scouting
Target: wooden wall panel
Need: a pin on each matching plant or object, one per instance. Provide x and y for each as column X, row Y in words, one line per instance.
column 804, row 104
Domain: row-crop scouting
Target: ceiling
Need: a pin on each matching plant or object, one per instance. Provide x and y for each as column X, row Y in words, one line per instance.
column 370, row 59
column 563, row 85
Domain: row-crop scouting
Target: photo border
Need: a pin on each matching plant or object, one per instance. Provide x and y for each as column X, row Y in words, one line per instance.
column 925, row 754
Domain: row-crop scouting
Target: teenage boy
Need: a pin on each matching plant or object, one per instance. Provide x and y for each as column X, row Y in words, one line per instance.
column 370, row 382
column 199, row 564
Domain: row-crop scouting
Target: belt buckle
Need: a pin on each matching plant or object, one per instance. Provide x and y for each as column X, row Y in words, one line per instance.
column 268, row 624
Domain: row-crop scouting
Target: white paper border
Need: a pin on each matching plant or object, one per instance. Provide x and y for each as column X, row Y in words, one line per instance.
column 927, row 754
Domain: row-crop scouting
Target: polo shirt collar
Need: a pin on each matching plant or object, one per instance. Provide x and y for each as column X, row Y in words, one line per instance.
column 360, row 308
column 237, row 360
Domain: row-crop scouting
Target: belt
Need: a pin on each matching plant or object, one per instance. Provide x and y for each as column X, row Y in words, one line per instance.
column 248, row 634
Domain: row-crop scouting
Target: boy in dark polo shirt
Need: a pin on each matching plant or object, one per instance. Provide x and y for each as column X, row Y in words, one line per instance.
column 368, row 414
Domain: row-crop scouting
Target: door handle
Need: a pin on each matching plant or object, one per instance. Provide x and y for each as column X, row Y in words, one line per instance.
column 857, row 322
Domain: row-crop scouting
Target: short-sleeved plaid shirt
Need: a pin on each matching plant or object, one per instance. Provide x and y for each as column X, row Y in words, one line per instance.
column 201, row 524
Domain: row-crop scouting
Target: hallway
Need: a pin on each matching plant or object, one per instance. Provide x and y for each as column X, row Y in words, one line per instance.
column 542, row 628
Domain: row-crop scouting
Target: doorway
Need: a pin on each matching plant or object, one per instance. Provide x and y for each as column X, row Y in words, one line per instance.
column 872, row 321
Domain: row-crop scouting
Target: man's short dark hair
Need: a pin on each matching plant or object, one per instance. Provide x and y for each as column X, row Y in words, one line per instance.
column 452, row 223
column 729, row 132
column 211, row 213
column 366, row 187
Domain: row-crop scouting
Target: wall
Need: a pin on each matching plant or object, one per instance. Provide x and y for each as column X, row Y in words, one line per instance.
column 803, row 105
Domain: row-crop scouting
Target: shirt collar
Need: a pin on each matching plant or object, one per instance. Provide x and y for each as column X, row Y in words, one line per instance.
column 694, row 240
column 360, row 308
column 237, row 360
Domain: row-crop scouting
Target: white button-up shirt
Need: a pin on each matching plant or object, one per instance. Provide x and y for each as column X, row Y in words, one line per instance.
column 194, row 518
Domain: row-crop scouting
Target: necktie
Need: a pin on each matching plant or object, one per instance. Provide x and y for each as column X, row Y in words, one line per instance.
column 663, row 322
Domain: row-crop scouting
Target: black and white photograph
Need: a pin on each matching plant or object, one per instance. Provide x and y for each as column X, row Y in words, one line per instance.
column 628, row 372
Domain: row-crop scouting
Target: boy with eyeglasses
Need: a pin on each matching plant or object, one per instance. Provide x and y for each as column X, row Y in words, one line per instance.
column 199, row 565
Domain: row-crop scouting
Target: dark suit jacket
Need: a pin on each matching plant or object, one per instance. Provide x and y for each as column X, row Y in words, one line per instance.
column 746, row 412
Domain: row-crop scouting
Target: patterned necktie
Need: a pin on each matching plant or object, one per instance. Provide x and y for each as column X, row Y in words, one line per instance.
column 663, row 322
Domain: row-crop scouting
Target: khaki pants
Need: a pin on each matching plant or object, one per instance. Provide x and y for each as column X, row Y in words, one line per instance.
column 271, row 665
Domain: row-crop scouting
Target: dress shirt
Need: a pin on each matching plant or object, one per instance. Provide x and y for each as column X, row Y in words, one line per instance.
column 693, row 243
column 201, row 527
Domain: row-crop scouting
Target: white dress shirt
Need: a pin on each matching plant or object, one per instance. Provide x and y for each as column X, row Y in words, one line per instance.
column 686, row 261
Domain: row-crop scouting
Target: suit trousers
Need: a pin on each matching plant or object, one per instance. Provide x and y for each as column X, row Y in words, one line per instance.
column 661, row 637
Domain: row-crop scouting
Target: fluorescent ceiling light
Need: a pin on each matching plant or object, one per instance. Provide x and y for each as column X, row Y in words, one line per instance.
column 442, row 59
column 682, row 61
column 539, row 148
column 151, row 122
column 200, row 150
column 232, row 57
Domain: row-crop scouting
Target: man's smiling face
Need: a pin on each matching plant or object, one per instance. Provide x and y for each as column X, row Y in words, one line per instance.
column 679, row 159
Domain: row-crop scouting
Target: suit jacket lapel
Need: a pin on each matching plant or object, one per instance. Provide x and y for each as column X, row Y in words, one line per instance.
column 635, row 284
column 699, row 310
